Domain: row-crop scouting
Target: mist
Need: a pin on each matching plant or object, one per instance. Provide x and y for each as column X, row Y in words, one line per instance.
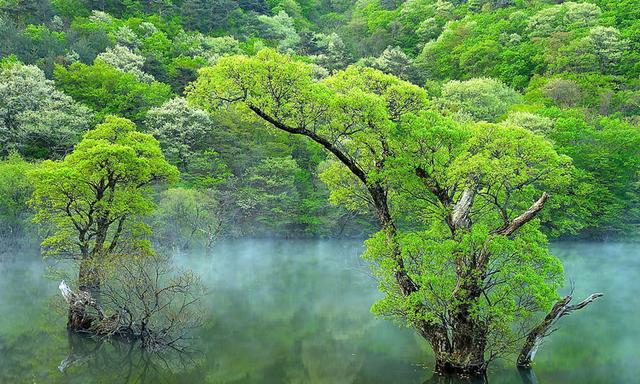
column 298, row 311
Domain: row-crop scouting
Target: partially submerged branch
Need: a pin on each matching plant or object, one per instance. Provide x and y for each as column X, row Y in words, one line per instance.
column 146, row 301
column 536, row 335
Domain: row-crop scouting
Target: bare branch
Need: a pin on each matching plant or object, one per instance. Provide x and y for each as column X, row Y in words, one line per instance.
column 459, row 217
column 537, row 334
column 524, row 218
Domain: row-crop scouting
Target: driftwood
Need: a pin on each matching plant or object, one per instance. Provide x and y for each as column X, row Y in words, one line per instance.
column 537, row 334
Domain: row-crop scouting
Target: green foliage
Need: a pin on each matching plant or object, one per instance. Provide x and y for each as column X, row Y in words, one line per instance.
column 417, row 168
column 528, row 274
column 480, row 99
column 393, row 61
column 186, row 218
column 36, row 119
column 179, row 128
column 110, row 91
column 267, row 194
column 132, row 59
column 519, row 99
column 606, row 150
column 123, row 59
column 15, row 191
column 94, row 200
column 280, row 27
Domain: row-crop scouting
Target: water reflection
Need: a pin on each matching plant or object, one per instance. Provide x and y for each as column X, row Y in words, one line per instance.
column 120, row 361
column 526, row 376
column 298, row 312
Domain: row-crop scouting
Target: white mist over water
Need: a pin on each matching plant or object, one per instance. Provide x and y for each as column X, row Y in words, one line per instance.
column 294, row 311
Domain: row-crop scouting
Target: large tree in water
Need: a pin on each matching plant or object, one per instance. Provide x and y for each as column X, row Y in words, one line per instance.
column 460, row 256
column 92, row 202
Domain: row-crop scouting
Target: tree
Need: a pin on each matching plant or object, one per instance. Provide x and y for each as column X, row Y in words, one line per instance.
column 607, row 154
column 144, row 299
column 563, row 17
column 481, row 99
column 393, row 61
column 110, row 91
column 94, row 200
column 330, row 51
column 267, row 196
column 36, row 119
column 530, row 121
column 186, row 218
column 180, row 129
column 280, row 28
column 208, row 15
column 608, row 46
column 459, row 255
column 565, row 93
column 125, row 60
column 15, row 191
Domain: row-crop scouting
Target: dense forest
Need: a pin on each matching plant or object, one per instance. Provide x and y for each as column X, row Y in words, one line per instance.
column 458, row 136
column 566, row 70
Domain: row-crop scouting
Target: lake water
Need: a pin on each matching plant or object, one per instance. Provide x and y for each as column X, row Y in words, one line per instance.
column 298, row 312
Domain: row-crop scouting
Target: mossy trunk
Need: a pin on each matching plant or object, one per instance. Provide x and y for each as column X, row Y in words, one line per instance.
column 459, row 347
column 462, row 353
column 89, row 277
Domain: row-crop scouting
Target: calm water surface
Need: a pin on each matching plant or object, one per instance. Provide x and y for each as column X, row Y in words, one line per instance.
column 298, row 312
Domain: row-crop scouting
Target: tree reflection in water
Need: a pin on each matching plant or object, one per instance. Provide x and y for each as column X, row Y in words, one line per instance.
column 527, row 376
column 124, row 361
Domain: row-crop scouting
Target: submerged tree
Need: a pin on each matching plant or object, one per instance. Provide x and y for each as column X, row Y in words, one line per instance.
column 460, row 256
column 143, row 299
column 92, row 202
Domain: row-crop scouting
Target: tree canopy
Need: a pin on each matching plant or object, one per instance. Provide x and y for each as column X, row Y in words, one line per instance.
column 94, row 200
column 460, row 255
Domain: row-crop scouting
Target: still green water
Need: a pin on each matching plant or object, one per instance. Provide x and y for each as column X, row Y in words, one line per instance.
column 298, row 312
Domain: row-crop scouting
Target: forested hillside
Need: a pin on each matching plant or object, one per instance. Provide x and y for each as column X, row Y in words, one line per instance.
column 569, row 71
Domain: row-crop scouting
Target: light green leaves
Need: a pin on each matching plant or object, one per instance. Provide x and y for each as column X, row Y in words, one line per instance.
column 479, row 99
column 100, row 189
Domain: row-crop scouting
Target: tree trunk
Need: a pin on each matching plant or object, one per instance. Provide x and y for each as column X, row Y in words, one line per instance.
column 89, row 278
column 445, row 366
column 464, row 348
column 458, row 350
column 79, row 320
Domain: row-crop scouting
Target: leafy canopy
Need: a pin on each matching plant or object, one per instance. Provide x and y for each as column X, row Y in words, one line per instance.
column 393, row 149
column 95, row 198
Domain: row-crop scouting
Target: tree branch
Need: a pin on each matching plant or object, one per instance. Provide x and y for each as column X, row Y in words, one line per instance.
column 376, row 190
column 353, row 167
column 524, row 218
column 537, row 334
column 432, row 186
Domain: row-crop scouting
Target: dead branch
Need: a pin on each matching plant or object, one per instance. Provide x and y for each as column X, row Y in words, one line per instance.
column 537, row 334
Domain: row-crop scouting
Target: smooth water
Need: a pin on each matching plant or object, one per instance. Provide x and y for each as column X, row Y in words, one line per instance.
column 298, row 312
